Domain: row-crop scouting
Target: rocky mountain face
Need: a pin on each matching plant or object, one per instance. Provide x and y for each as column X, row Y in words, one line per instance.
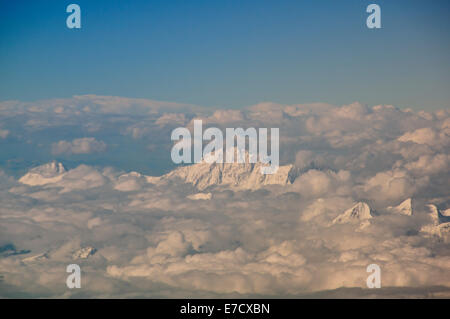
column 84, row 253
column 44, row 174
column 361, row 212
column 201, row 175
column 404, row 208
column 233, row 175
column 438, row 225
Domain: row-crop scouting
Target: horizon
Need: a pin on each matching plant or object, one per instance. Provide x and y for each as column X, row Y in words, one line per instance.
column 229, row 54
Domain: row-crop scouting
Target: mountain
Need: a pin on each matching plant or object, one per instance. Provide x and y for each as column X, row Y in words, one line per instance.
column 446, row 212
column 84, row 253
column 433, row 213
column 36, row 258
column 201, row 175
column 234, row 175
column 361, row 212
column 45, row 174
column 403, row 208
column 438, row 225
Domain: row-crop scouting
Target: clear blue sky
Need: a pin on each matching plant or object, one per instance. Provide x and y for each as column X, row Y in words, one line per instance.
column 229, row 53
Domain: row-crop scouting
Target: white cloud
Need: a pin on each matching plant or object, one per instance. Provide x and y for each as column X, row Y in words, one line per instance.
column 429, row 164
column 154, row 238
column 420, row 136
column 84, row 145
column 315, row 183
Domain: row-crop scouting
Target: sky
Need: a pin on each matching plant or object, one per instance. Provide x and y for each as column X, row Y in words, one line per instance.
column 228, row 54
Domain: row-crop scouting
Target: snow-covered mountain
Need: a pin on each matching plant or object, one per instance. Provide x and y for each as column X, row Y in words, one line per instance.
column 237, row 176
column 54, row 175
column 45, row 174
column 234, row 175
column 36, row 258
column 84, row 253
column 201, row 175
column 404, row 208
column 361, row 212
column 438, row 225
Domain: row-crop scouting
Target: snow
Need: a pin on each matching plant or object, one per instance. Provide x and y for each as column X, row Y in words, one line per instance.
column 233, row 175
column 360, row 212
column 404, row 208
column 45, row 174
column 438, row 225
column 84, row 253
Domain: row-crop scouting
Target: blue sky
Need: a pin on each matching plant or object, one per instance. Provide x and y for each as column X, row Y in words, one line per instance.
column 229, row 53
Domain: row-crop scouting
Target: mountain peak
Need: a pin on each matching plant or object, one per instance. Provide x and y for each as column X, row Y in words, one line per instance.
column 44, row 174
column 358, row 213
column 84, row 253
column 404, row 208
column 439, row 224
column 51, row 169
column 236, row 175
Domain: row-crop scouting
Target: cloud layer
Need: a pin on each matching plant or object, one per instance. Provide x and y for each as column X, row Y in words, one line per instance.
column 167, row 238
column 84, row 145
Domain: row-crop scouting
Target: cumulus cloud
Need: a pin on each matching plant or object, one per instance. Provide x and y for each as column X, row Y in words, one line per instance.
column 308, row 159
column 392, row 184
column 420, row 136
column 429, row 164
column 215, row 231
column 172, row 119
column 84, row 145
column 315, row 183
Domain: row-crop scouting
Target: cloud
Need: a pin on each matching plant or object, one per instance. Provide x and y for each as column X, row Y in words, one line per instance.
column 316, row 183
column 420, row 136
column 153, row 239
column 429, row 165
column 4, row 133
column 309, row 159
column 393, row 185
column 226, row 116
column 171, row 119
column 84, row 145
